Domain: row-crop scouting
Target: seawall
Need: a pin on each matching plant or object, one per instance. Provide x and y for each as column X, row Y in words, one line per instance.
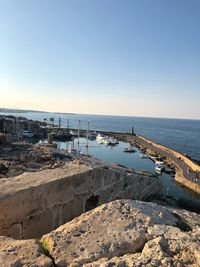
column 181, row 172
column 35, row 203
column 176, row 154
column 187, row 172
column 179, row 177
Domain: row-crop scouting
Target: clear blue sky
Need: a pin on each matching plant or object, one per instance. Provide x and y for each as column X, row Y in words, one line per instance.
column 124, row 57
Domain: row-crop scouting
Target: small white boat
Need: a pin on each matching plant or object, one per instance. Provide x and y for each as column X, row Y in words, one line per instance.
column 110, row 141
column 27, row 134
column 106, row 140
column 92, row 135
column 74, row 151
column 113, row 141
column 73, row 133
column 41, row 142
column 100, row 137
column 158, row 166
column 143, row 156
column 129, row 149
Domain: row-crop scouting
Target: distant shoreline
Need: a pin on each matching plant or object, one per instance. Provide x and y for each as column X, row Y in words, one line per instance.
column 10, row 110
column 7, row 110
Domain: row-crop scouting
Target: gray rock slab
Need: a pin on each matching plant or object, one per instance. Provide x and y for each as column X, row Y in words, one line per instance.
column 17, row 253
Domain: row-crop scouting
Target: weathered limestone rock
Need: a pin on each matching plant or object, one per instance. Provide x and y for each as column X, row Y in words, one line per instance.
column 24, row 157
column 127, row 233
column 16, row 253
column 50, row 198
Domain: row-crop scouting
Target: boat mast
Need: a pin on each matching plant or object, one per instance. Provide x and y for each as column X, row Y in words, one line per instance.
column 87, row 133
column 79, row 123
column 59, row 122
column 72, row 144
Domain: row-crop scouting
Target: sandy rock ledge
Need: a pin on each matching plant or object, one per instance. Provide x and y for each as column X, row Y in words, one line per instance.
column 123, row 233
column 127, row 233
column 17, row 253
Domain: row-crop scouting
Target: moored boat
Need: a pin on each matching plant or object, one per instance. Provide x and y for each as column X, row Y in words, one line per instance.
column 100, row 137
column 159, row 166
column 143, row 156
column 107, row 140
column 112, row 141
column 92, row 135
column 27, row 134
column 129, row 149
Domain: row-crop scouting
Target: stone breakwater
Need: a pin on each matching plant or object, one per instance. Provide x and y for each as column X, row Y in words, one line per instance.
column 178, row 155
column 187, row 172
column 35, row 203
column 120, row 233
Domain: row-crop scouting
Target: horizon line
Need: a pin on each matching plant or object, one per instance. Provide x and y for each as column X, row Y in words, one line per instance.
column 73, row 113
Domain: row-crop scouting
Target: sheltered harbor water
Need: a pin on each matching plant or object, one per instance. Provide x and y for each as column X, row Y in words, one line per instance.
column 115, row 154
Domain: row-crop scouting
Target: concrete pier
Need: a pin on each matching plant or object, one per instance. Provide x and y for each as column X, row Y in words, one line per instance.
column 187, row 172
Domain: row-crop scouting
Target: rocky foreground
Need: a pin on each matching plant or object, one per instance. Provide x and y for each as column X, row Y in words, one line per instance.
column 120, row 233
column 17, row 158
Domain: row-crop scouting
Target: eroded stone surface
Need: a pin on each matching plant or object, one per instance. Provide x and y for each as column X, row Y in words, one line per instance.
column 16, row 253
column 127, row 233
column 17, row 158
column 52, row 197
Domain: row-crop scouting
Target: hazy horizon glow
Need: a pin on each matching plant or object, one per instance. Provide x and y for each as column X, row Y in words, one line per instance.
column 134, row 58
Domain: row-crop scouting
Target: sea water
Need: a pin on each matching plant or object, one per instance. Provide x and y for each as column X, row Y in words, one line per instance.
column 178, row 134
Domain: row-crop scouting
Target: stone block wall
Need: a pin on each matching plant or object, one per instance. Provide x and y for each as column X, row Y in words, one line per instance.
column 34, row 204
column 187, row 183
